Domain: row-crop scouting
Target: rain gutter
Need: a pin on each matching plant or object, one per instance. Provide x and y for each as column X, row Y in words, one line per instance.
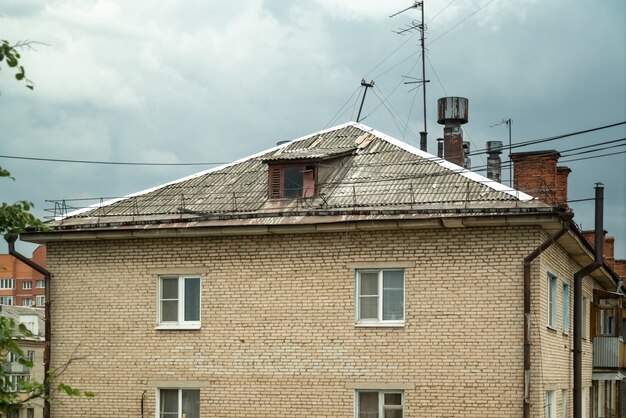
column 578, row 297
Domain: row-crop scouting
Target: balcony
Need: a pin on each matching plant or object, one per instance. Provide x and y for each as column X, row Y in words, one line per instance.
column 609, row 352
column 15, row 367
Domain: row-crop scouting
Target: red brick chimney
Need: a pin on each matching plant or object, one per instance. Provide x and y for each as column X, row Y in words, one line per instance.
column 620, row 268
column 562, row 174
column 535, row 173
column 608, row 248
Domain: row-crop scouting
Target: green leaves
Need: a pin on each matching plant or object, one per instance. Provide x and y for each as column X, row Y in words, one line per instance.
column 10, row 55
column 16, row 392
column 15, row 218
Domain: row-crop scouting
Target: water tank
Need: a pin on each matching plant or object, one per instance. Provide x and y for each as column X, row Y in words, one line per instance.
column 452, row 110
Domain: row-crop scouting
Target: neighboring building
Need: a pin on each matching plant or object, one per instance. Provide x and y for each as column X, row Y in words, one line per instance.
column 33, row 347
column 19, row 284
column 342, row 274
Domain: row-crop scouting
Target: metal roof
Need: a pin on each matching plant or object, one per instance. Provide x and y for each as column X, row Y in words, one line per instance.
column 358, row 168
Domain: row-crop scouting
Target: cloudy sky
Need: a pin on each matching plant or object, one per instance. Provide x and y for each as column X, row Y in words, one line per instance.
column 213, row 81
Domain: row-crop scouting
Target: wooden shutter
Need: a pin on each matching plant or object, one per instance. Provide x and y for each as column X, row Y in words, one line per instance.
column 274, row 182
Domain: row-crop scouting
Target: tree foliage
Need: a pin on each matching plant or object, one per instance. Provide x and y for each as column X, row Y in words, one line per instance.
column 10, row 55
column 14, row 394
column 15, row 218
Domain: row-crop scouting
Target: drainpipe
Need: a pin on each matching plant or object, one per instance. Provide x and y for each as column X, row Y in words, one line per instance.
column 578, row 299
column 10, row 239
column 567, row 219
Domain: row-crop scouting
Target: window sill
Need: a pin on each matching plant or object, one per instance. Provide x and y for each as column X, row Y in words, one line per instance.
column 551, row 328
column 379, row 324
column 175, row 327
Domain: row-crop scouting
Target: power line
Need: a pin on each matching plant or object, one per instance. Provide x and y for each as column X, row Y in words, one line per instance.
column 461, row 22
column 553, row 138
column 62, row 160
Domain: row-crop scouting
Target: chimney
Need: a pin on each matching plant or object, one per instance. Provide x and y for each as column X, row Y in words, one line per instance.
column 608, row 248
column 467, row 161
column 561, row 185
column 620, row 268
column 452, row 113
column 423, row 141
column 494, row 162
column 535, row 173
column 440, row 147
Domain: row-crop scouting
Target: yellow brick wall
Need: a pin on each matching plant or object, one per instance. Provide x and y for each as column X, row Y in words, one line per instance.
column 278, row 335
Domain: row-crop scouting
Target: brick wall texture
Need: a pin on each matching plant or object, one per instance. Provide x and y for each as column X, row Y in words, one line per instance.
column 278, row 336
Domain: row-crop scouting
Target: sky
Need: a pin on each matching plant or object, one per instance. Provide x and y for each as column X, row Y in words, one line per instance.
column 214, row 81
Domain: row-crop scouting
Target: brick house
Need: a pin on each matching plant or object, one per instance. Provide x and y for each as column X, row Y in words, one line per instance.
column 340, row 274
column 33, row 348
column 19, row 284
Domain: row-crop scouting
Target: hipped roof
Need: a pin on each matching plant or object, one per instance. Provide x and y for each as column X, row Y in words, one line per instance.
column 359, row 170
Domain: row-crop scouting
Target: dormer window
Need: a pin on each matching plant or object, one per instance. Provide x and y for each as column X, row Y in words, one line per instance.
column 289, row 181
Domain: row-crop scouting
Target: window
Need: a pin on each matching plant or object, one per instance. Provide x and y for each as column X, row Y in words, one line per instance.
column 6, row 300
column 566, row 308
column 564, row 403
column 380, row 296
column 41, row 300
column 17, row 380
column 30, row 355
column 606, row 314
column 175, row 403
column 179, row 302
column 27, row 285
column 549, row 405
column 551, row 301
column 7, row 284
column 27, row 302
column 30, row 412
column 584, row 318
column 291, row 181
column 375, row 404
column 41, row 284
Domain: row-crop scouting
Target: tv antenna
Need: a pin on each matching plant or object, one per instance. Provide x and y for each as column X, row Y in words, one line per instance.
column 421, row 26
column 508, row 122
column 366, row 84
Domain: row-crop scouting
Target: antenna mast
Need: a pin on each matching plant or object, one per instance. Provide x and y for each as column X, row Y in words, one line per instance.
column 366, row 85
column 421, row 26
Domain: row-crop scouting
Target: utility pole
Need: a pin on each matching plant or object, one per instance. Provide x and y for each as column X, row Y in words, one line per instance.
column 366, row 84
column 421, row 26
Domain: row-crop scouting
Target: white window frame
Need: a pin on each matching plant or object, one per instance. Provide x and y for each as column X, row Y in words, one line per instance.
column 381, row 401
column 10, row 300
column 27, row 302
column 180, row 323
column 27, row 285
column 378, row 321
column 40, row 300
column 549, row 404
column 180, row 399
column 564, row 403
column 565, row 308
column 40, row 284
column 552, row 282
column 6, row 284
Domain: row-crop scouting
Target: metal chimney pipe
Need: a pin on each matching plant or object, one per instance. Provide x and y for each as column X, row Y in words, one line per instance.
column 452, row 113
column 440, row 147
column 467, row 161
column 578, row 300
column 423, row 141
column 494, row 162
